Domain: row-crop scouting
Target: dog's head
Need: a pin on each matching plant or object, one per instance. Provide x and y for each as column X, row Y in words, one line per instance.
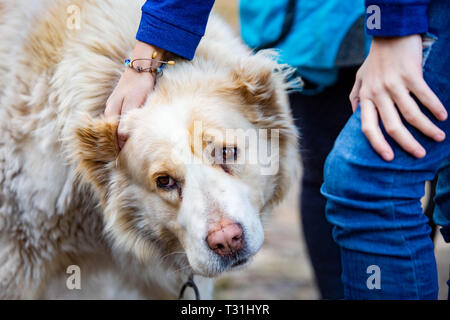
column 207, row 156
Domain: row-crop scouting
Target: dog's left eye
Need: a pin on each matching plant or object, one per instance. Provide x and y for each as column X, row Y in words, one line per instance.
column 166, row 182
column 229, row 154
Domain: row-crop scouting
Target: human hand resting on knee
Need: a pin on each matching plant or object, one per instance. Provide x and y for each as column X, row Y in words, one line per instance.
column 391, row 72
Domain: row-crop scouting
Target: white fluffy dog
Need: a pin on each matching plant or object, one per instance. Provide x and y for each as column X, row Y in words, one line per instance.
column 157, row 210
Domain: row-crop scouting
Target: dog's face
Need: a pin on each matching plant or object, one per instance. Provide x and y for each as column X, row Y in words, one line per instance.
column 202, row 165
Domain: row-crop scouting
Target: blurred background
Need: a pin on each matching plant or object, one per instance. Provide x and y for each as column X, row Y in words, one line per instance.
column 281, row 270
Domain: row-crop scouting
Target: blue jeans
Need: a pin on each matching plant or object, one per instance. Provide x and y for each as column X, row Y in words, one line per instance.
column 374, row 206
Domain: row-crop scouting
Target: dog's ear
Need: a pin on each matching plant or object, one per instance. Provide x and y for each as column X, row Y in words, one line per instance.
column 262, row 85
column 255, row 85
column 96, row 152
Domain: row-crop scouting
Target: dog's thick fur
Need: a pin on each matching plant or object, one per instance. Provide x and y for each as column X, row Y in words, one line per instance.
column 68, row 195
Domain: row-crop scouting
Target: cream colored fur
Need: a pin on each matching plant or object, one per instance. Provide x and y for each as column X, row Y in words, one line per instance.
column 67, row 196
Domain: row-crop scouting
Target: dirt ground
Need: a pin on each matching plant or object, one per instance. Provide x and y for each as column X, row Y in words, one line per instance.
column 281, row 270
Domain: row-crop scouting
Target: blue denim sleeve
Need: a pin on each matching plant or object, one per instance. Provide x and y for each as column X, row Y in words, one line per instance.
column 399, row 17
column 174, row 25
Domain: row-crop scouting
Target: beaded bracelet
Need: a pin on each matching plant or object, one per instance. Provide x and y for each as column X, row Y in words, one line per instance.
column 156, row 70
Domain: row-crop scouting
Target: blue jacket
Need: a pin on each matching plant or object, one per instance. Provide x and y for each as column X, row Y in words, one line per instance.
column 400, row 17
column 320, row 26
column 174, row 25
column 314, row 40
column 178, row 25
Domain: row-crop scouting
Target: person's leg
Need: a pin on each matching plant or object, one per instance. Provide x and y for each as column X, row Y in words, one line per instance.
column 320, row 118
column 442, row 200
column 442, row 204
column 378, row 221
column 375, row 205
column 429, row 207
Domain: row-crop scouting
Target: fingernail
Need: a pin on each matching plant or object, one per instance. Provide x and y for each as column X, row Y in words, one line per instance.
column 443, row 115
column 388, row 156
column 439, row 136
column 420, row 153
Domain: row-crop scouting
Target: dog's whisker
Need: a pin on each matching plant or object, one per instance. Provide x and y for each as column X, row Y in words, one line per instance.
column 173, row 263
column 165, row 257
column 186, row 266
column 182, row 268
column 172, row 253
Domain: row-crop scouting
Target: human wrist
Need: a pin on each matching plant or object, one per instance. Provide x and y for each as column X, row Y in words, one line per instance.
column 147, row 58
column 143, row 50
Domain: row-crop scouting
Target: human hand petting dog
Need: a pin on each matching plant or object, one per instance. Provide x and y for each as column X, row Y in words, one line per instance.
column 393, row 70
column 132, row 89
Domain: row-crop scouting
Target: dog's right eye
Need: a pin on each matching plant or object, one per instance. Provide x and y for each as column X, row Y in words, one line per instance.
column 166, row 182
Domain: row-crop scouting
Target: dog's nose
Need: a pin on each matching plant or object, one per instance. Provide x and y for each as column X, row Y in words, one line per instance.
column 225, row 238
